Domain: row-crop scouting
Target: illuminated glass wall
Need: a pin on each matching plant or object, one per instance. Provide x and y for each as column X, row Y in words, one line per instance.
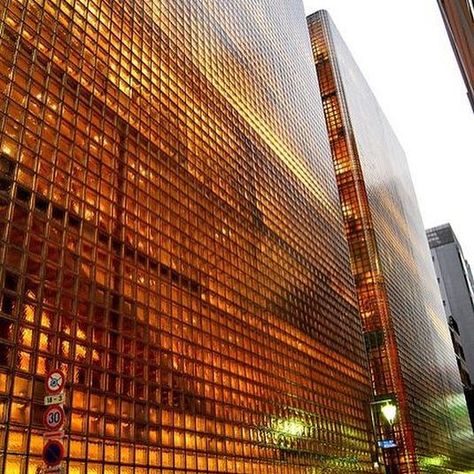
column 170, row 236
column 411, row 358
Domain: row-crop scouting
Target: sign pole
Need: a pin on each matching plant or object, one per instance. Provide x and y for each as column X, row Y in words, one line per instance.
column 53, row 420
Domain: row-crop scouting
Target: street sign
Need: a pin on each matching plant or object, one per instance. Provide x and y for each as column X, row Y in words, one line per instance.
column 387, row 443
column 53, row 452
column 55, row 382
column 54, row 399
column 54, row 417
column 59, row 434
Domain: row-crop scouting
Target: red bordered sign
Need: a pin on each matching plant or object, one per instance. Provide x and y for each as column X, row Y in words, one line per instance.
column 55, row 381
column 53, row 417
column 53, row 453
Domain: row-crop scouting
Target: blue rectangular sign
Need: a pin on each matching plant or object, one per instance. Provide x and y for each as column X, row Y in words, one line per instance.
column 387, row 443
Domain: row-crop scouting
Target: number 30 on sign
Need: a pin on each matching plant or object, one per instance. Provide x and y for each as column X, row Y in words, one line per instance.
column 54, row 417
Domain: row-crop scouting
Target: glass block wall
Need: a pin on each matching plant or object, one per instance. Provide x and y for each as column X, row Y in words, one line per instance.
column 410, row 352
column 171, row 238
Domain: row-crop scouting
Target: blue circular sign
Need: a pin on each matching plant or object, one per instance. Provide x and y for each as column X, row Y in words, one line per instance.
column 53, row 452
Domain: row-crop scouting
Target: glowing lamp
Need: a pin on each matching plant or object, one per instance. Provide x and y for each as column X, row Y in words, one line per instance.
column 389, row 411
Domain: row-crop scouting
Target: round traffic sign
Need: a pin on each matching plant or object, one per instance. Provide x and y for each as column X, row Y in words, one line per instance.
column 55, row 382
column 53, row 452
column 54, row 417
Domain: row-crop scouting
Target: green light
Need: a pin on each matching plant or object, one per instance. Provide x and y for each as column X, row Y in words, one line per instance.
column 389, row 411
column 289, row 427
column 434, row 461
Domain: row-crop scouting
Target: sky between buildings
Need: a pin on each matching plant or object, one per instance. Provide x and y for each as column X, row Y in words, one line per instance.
column 404, row 52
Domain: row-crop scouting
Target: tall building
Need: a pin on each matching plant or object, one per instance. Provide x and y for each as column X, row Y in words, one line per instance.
column 457, row 290
column 458, row 17
column 411, row 358
column 171, row 239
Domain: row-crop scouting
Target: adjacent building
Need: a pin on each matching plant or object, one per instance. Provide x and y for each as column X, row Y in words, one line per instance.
column 171, row 238
column 411, row 358
column 457, row 290
column 458, row 17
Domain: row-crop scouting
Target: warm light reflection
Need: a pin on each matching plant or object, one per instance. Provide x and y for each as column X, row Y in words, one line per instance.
column 289, row 427
column 172, row 240
column 407, row 338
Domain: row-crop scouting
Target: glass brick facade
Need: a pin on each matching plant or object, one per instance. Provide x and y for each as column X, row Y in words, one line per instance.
column 170, row 237
column 410, row 353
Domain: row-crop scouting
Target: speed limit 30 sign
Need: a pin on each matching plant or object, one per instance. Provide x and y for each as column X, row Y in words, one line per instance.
column 54, row 417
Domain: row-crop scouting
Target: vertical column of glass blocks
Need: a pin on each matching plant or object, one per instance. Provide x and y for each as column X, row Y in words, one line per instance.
column 406, row 336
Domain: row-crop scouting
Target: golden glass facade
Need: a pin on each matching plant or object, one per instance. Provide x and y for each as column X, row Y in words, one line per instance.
column 170, row 237
column 410, row 353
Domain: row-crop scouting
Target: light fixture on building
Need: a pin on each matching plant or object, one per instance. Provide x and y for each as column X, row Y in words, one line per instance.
column 389, row 412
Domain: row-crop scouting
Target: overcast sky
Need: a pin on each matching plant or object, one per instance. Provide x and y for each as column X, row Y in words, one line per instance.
column 404, row 52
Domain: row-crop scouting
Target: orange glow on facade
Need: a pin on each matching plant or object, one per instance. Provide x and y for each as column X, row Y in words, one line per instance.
column 170, row 237
column 411, row 362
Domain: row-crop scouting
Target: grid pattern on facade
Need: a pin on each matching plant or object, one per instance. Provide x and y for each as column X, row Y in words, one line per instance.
column 168, row 241
column 391, row 264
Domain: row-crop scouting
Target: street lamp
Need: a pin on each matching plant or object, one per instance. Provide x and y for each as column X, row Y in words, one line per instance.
column 383, row 412
column 389, row 411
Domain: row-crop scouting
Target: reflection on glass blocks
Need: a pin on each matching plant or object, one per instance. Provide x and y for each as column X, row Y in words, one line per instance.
column 171, row 238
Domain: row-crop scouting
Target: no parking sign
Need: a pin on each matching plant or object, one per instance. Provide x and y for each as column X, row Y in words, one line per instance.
column 53, row 452
column 53, row 420
column 55, row 382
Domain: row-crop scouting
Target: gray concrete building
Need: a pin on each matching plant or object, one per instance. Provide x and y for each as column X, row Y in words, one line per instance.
column 457, row 290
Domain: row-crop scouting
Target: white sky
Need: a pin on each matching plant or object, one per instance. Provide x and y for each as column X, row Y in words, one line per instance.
column 403, row 50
